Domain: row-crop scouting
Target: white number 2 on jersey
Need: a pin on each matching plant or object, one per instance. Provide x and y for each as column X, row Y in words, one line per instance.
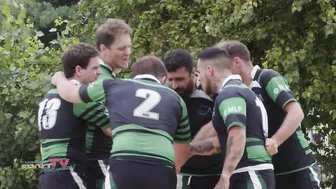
column 152, row 98
column 263, row 115
column 47, row 113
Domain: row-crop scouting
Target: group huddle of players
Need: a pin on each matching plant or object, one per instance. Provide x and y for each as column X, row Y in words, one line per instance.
column 226, row 125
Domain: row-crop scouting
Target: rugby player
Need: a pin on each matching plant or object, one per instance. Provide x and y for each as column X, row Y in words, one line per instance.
column 149, row 126
column 62, row 125
column 240, row 121
column 199, row 172
column 113, row 40
column 294, row 164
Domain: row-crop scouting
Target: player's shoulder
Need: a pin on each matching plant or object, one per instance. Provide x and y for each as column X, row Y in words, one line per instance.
column 53, row 96
column 268, row 74
column 233, row 89
column 200, row 94
column 150, row 84
column 52, row 93
column 233, row 86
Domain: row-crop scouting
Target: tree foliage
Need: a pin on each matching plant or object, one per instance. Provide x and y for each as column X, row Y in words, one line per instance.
column 25, row 67
column 42, row 14
column 58, row 3
column 294, row 37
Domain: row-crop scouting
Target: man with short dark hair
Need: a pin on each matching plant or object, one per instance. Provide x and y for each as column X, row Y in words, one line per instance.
column 149, row 126
column 294, row 164
column 113, row 40
column 199, row 171
column 240, row 121
column 62, row 125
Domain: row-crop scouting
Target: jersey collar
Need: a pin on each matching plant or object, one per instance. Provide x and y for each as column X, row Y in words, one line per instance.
column 101, row 62
column 231, row 77
column 254, row 71
column 199, row 94
column 147, row 76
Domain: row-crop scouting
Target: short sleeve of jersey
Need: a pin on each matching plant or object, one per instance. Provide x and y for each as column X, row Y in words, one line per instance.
column 94, row 113
column 183, row 131
column 232, row 107
column 277, row 88
column 93, row 92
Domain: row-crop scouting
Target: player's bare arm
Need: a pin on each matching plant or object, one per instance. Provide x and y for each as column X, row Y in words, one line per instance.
column 181, row 154
column 234, row 151
column 66, row 89
column 208, row 146
column 207, row 131
column 291, row 122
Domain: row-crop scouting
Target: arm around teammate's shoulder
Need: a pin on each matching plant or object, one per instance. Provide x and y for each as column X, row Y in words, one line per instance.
column 65, row 88
column 93, row 92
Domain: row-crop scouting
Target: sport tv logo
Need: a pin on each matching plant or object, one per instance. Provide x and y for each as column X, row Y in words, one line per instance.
column 51, row 165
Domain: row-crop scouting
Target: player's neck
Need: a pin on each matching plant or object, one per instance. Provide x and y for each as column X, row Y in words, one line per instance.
column 220, row 80
column 246, row 75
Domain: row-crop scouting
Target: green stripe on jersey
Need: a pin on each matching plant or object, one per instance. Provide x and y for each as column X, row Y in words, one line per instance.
column 235, row 85
column 150, row 83
column 89, row 138
column 250, row 139
column 54, row 150
column 275, row 86
column 52, row 91
column 258, row 153
column 95, row 91
column 183, row 131
column 304, row 143
column 234, row 105
column 143, row 141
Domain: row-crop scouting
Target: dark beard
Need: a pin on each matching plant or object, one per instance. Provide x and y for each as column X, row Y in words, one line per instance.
column 187, row 91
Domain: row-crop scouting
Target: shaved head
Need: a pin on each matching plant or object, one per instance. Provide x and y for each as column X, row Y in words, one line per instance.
column 216, row 57
column 235, row 49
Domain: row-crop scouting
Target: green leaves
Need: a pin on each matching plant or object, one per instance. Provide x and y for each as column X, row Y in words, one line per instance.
column 25, row 66
column 295, row 39
column 6, row 11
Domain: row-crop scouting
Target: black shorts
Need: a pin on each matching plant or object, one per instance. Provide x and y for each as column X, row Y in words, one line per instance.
column 304, row 179
column 263, row 179
column 68, row 179
column 197, row 182
column 125, row 174
column 95, row 172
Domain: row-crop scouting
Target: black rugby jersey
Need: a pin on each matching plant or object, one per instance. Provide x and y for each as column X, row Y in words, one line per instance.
column 200, row 108
column 146, row 118
column 274, row 91
column 62, row 126
column 98, row 145
column 237, row 105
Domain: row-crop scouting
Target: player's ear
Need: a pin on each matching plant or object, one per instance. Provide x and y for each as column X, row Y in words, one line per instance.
column 193, row 71
column 237, row 62
column 163, row 80
column 78, row 70
column 102, row 47
column 210, row 70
